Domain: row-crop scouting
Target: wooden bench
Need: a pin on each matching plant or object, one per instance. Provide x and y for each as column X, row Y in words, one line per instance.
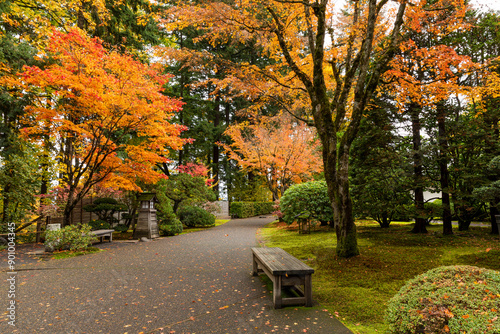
column 103, row 233
column 285, row 271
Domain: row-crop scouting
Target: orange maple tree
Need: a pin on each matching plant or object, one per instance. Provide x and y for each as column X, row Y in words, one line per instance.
column 104, row 113
column 326, row 67
column 280, row 150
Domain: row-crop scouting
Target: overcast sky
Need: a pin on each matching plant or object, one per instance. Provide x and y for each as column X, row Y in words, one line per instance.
column 491, row 4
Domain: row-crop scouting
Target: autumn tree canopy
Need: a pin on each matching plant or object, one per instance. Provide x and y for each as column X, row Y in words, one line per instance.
column 103, row 112
column 322, row 64
column 278, row 149
column 327, row 68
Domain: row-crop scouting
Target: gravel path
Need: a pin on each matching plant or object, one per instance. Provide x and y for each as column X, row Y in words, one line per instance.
column 193, row 283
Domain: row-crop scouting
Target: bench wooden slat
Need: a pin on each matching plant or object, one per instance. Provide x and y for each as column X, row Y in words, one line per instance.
column 279, row 262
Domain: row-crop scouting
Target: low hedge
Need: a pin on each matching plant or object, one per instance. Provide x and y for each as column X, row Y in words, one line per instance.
column 250, row 209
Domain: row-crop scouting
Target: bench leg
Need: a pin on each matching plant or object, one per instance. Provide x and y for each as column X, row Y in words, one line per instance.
column 255, row 266
column 308, row 290
column 111, row 237
column 277, row 291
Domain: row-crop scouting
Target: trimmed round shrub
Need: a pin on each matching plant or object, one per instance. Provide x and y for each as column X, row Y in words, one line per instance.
column 97, row 224
column 454, row 299
column 171, row 228
column 193, row 216
column 309, row 197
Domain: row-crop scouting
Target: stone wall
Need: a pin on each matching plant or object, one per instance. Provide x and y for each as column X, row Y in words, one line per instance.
column 224, row 205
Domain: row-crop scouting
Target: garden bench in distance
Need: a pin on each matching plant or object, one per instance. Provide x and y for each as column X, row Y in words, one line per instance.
column 103, row 233
column 284, row 270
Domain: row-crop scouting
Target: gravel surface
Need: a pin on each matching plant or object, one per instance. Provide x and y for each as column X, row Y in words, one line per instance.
column 199, row 282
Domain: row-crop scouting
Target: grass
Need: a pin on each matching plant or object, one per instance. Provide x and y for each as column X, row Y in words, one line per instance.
column 357, row 289
column 66, row 254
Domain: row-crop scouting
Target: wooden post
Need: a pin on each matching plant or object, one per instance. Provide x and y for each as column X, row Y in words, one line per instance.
column 38, row 230
column 308, row 290
column 255, row 266
column 277, row 291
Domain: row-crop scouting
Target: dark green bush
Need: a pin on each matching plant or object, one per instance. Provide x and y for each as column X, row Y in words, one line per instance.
column 99, row 225
column 454, row 299
column 174, row 227
column 311, row 197
column 250, row 209
column 121, row 228
column 105, row 208
column 193, row 216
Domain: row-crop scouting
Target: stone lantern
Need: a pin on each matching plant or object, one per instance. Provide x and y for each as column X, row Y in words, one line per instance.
column 147, row 225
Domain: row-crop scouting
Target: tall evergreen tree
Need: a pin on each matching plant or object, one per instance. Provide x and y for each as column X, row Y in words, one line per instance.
column 379, row 179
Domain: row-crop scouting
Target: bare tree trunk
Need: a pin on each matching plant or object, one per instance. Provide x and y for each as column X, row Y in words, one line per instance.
column 215, row 148
column 443, row 167
column 494, row 212
column 417, row 169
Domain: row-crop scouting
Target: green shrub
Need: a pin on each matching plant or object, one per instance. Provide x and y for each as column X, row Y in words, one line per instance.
column 311, row 197
column 454, row 299
column 121, row 228
column 173, row 227
column 168, row 223
column 99, row 225
column 193, row 216
column 71, row 237
column 263, row 208
column 250, row 209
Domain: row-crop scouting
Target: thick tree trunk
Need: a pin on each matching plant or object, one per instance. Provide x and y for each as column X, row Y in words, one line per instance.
column 443, row 167
column 68, row 209
column 385, row 220
column 347, row 242
column 338, row 190
column 418, row 174
column 493, row 220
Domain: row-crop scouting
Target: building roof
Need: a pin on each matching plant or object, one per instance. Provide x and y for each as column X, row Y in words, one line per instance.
column 147, row 197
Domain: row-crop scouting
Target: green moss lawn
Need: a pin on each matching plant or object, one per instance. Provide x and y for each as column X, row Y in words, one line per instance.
column 357, row 290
